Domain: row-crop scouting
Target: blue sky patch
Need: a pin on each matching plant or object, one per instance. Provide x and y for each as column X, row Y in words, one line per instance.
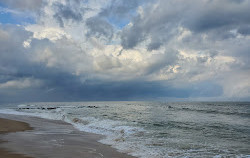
column 8, row 16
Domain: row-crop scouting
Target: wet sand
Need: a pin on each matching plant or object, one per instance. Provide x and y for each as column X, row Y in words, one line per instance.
column 51, row 138
column 7, row 126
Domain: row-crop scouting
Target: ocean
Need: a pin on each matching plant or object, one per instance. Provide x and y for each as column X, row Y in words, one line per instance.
column 155, row 129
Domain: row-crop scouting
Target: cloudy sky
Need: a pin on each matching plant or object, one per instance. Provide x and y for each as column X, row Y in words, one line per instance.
column 76, row 50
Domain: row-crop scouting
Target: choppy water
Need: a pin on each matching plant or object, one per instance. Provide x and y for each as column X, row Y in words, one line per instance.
column 157, row 130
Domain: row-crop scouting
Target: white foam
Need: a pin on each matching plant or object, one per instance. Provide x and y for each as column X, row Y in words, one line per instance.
column 14, row 112
column 24, row 105
column 121, row 135
column 118, row 135
column 44, row 115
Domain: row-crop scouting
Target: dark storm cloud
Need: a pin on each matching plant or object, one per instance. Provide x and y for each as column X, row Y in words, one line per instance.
column 12, row 53
column 119, row 12
column 220, row 14
column 99, row 27
column 185, row 49
column 154, row 45
column 61, row 85
column 244, row 30
column 134, row 90
column 159, row 23
column 120, row 8
column 23, row 4
column 16, row 65
column 67, row 12
column 130, row 37
column 159, row 61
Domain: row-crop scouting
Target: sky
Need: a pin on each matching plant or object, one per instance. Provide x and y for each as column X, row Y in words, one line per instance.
column 99, row 50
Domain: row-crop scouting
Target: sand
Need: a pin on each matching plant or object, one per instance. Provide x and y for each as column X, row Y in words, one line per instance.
column 50, row 138
column 7, row 126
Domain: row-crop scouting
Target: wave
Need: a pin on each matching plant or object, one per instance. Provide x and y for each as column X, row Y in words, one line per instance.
column 242, row 114
column 133, row 138
column 117, row 133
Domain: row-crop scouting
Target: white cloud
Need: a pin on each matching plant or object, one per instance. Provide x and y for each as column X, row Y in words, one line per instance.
column 21, row 84
column 51, row 33
column 163, row 41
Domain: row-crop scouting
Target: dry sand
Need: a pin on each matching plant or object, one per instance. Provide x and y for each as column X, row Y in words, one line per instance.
column 50, row 139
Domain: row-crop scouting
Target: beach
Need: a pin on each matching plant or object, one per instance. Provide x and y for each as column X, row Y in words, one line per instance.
column 8, row 126
column 26, row 137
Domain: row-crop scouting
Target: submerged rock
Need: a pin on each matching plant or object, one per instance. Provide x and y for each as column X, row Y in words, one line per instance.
column 92, row 106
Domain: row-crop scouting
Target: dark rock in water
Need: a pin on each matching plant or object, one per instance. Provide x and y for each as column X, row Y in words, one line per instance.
column 80, row 107
column 51, row 108
column 24, row 108
column 42, row 108
column 92, row 106
column 170, row 107
column 75, row 120
column 158, row 124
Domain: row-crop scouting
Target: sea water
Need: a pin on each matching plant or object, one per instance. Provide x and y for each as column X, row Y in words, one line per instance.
column 156, row 129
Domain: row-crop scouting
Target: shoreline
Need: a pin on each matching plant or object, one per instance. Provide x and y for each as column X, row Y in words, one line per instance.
column 51, row 138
